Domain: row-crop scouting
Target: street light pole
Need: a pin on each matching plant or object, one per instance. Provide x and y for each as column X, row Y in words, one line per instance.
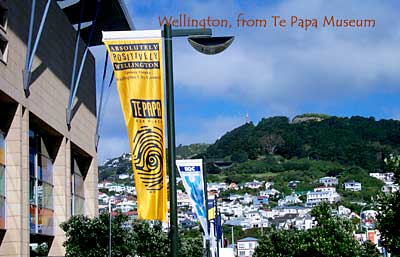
column 171, row 140
column 217, row 222
column 208, row 252
column 110, row 223
column 207, row 45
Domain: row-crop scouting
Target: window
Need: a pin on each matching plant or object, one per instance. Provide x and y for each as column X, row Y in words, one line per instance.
column 40, row 186
column 77, row 189
column 3, row 31
column 2, row 182
column 242, row 253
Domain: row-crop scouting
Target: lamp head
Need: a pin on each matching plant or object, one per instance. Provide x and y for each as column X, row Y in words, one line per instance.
column 210, row 45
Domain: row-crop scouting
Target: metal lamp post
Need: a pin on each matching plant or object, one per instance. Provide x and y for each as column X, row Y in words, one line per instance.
column 206, row 44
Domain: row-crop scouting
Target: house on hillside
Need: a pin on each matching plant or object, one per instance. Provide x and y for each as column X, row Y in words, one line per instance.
column 329, row 181
column 387, row 177
column 255, row 184
column 352, row 186
column 246, row 246
column 289, row 200
column 390, row 188
column 269, row 192
column 322, row 194
column 260, row 200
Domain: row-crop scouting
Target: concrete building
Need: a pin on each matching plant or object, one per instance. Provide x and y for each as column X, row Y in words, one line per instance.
column 48, row 165
column 325, row 194
column 352, row 186
column 247, row 246
column 329, row 181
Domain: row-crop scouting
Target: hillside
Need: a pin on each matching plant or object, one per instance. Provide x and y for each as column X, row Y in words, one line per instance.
column 355, row 141
column 113, row 167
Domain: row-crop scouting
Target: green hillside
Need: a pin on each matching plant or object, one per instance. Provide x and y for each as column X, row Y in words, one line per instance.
column 355, row 141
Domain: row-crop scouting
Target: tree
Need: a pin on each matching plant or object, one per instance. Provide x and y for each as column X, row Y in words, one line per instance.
column 147, row 241
column 389, row 211
column 239, row 156
column 270, row 142
column 191, row 246
column 90, row 237
column 331, row 237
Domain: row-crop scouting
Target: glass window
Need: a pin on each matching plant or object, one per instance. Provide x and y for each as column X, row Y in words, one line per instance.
column 2, row 213
column 40, row 186
column 79, row 205
column 77, row 189
column 2, row 150
column 2, row 182
column 47, row 196
column 78, row 184
column 31, row 162
column 32, row 218
column 45, row 221
column 46, row 170
column 32, row 195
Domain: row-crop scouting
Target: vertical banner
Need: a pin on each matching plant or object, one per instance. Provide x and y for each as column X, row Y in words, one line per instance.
column 137, row 62
column 191, row 172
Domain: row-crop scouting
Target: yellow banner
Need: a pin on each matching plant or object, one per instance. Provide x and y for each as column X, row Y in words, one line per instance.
column 138, row 71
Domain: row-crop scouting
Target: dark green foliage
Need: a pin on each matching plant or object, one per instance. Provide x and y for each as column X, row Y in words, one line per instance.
column 389, row 212
column 239, row 156
column 90, row 237
column 332, row 237
column 149, row 241
column 354, row 141
column 189, row 151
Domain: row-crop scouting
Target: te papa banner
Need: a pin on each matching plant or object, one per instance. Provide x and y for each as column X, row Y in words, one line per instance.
column 137, row 62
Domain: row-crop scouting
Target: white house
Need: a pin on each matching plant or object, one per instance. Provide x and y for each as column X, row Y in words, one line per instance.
column 329, row 181
column 352, row 186
column 290, row 199
column 123, row 176
column 246, row 246
column 269, row 192
column 319, row 195
column 303, row 223
column 343, row 211
column 390, row 188
column 281, row 211
column 247, row 199
column 255, row 184
column 269, row 185
column 325, row 189
column 125, row 206
column 387, row 177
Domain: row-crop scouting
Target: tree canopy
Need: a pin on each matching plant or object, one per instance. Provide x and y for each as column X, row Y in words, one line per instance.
column 358, row 141
column 90, row 237
column 388, row 220
column 331, row 237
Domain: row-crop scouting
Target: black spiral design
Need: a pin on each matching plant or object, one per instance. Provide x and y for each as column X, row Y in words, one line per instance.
column 148, row 157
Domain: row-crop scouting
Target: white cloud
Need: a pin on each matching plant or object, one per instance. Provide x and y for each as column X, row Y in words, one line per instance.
column 275, row 70
column 110, row 147
column 208, row 129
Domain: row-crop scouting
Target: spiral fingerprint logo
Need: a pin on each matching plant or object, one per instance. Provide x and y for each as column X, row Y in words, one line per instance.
column 148, row 157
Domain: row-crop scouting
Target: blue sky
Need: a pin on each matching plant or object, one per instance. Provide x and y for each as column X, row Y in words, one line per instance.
column 271, row 71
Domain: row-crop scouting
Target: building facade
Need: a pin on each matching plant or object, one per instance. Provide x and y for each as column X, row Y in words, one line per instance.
column 329, row 181
column 352, row 186
column 322, row 194
column 48, row 169
column 246, row 246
